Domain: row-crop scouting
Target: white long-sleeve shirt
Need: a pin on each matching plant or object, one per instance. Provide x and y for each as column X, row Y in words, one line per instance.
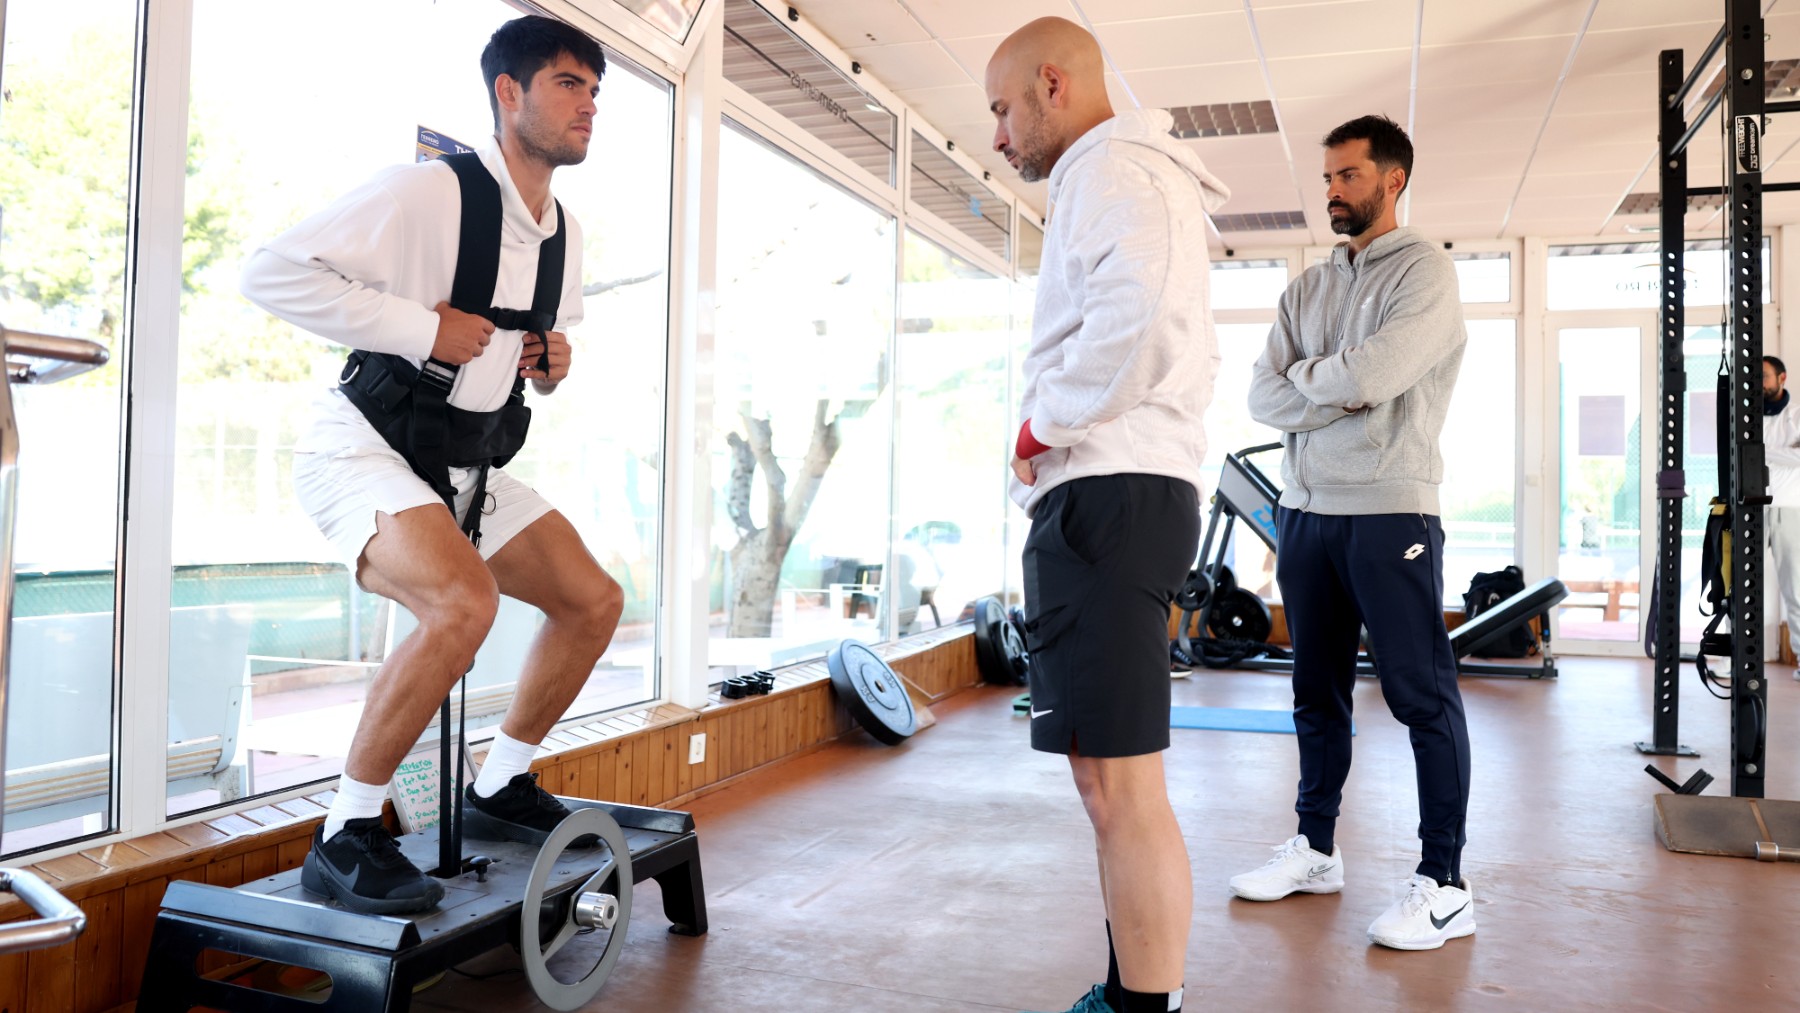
column 1123, row 352
column 368, row 270
column 1781, row 450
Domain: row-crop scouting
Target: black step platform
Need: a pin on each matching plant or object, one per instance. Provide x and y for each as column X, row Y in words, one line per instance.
column 375, row 960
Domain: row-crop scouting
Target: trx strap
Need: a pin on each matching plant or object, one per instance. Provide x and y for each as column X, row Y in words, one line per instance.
column 409, row 405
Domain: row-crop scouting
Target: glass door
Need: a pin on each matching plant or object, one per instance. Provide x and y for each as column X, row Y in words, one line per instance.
column 1602, row 378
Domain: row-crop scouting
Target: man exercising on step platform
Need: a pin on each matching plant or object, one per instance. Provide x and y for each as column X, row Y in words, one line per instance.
column 401, row 270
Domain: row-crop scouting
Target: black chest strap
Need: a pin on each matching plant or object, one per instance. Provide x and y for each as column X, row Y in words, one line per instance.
column 411, row 408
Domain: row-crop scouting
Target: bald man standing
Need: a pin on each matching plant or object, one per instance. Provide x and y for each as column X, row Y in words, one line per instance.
column 1108, row 467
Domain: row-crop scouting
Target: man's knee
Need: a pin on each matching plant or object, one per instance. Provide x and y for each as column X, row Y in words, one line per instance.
column 1119, row 790
column 462, row 604
column 593, row 602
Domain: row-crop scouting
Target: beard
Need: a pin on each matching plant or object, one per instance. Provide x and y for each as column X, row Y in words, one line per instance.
column 549, row 144
column 1358, row 217
column 1032, row 149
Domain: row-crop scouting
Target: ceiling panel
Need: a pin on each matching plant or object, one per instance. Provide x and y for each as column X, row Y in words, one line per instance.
column 1113, row 11
column 1492, row 20
column 1347, row 75
column 1535, row 61
column 1591, row 157
column 863, row 23
column 975, row 51
column 956, row 19
column 1178, row 42
column 910, row 65
column 1244, row 149
column 1198, row 86
column 1648, row 13
column 1634, row 91
column 1622, row 52
column 1352, row 26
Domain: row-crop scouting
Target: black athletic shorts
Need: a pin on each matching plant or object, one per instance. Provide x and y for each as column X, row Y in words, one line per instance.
column 1104, row 559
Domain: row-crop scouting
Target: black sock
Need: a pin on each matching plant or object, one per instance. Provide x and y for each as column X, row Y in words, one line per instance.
column 1145, row 1002
column 1115, row 992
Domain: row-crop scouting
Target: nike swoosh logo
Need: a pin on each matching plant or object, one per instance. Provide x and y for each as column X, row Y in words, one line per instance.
column 1439, row 923
column 1038, row 713
column 1316, row 871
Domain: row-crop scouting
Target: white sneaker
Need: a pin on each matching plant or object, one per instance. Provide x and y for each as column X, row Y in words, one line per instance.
column 1426, row 916
column 1296, row 868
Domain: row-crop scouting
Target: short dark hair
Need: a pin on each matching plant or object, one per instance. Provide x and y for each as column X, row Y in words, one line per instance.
column 1389, row 147
column 523, row 46
column 1780, row 367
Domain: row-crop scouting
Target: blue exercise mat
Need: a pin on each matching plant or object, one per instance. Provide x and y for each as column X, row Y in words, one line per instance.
column 1234, row 719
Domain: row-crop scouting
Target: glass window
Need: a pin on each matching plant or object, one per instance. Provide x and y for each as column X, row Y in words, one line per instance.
column 286, row 630
column 1248, row 284
column 65, row 139
column 1229, row 429
column 1031, row 246
column 951, row 192
column 774, row 66
column 801, row 430
column 951, row 441
column 1479, row 447
column 671, row 17
column 1024, row 296
column 1625, row 275
column 1484, row 277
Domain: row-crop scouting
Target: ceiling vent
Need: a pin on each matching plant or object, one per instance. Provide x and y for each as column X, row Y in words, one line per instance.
column 1650, row 203
column 1261, row 221
column 1225, row 119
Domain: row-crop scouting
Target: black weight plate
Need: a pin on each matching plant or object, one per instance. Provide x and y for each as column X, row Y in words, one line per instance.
column 1012, row 647
column 1194, row 591
column 990, row 656
column 872, row 691
column 1224, row 582
column 1240, row 615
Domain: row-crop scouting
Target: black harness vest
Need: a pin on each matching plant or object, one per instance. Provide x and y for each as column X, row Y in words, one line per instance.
column 409, row 405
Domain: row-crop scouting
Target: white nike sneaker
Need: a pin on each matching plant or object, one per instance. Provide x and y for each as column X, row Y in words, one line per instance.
column 1426, row 916
column 1296, row 868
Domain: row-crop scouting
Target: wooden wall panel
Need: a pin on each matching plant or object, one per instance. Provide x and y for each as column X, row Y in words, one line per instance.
column 12, row 983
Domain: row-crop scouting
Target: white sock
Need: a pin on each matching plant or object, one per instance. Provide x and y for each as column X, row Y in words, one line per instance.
column 507, row 758
column 355, row 800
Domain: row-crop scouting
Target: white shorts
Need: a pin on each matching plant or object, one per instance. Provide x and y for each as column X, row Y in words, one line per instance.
column 342, row 489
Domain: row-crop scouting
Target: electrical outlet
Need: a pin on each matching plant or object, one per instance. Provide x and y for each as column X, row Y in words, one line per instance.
column 697, row 748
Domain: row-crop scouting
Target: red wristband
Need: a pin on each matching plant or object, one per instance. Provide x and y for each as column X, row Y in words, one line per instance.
column 1028, row 446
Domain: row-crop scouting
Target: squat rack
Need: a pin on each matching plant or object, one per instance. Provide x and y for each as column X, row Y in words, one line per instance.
column 1743, row 473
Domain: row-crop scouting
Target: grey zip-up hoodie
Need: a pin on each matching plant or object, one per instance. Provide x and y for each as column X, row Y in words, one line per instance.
column 1357, row 374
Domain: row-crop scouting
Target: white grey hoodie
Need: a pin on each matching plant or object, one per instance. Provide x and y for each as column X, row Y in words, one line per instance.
column 1122, row 347
column 1358, row 373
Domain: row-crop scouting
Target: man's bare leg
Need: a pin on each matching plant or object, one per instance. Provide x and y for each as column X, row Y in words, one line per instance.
column 421, row 559
column 1146, row 882
column 547, row 566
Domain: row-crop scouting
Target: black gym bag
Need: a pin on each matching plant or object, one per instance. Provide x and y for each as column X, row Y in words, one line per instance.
column 409, row 405
column 1487, row 590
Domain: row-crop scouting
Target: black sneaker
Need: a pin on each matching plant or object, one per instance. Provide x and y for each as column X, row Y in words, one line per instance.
column 362, row 869
column 521, row 812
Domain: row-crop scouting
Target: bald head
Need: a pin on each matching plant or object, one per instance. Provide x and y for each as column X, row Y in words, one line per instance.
column 1046, row 87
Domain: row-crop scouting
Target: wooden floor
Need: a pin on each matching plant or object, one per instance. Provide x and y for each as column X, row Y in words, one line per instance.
column 956, row 872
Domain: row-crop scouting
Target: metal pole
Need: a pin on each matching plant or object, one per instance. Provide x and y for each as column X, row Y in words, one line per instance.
column 1749, row 473
column 1671, row 484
